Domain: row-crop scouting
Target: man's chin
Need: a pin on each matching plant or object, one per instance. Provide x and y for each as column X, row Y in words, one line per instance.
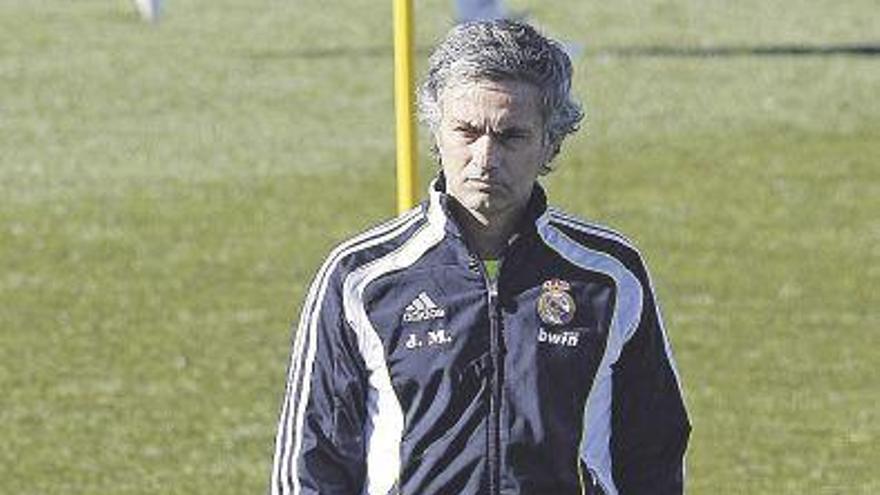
column 480, row 202
column 484, row 205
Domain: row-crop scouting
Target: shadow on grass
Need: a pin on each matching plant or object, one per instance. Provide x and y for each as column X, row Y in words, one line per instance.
column 647, row 51
column 337, row 52
column 856, row 49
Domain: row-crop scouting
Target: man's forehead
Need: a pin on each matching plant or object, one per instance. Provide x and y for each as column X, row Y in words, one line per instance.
column 514, row 99
column 464, row 84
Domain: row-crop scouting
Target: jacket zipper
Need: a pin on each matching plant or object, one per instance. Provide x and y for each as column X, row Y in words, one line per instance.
column 494, row 458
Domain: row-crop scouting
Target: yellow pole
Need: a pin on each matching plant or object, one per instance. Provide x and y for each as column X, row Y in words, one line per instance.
column 403, row 104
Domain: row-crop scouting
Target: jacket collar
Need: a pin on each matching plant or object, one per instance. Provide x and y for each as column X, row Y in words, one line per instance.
column 440, row 204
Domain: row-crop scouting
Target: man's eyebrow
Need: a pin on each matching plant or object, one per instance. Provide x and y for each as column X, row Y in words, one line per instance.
column 465, row 124
column 462, row 120
column 514, row 129
column 502, row 129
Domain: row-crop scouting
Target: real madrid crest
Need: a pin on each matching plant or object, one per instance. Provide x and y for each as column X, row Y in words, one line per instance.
column 555, row 305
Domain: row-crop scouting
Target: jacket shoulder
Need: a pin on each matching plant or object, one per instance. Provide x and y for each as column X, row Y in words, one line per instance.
column 373, row 243
column 599, row 238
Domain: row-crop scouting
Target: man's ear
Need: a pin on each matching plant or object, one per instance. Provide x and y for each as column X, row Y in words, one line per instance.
column 435, row 144
column 548, row 151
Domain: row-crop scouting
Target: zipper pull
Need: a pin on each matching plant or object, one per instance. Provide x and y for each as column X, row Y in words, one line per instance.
column 493, row 288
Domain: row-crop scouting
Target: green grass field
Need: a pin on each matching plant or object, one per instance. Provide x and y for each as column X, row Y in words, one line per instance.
column 166, row 193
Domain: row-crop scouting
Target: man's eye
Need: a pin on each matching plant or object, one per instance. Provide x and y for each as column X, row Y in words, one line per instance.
column 468, row 132
column 511, row 136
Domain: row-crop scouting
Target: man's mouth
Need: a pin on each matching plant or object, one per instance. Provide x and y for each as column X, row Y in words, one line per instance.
column 482, row 183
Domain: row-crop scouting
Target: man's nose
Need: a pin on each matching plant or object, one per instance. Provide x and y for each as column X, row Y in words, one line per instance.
column 485, row 151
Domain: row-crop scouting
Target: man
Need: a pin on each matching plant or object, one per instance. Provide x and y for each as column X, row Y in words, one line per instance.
column 483, row 343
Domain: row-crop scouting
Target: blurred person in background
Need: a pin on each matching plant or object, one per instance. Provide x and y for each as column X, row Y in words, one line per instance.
column 149, row 10
column 480, row 10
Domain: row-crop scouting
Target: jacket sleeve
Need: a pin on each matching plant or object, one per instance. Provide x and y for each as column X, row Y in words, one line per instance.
column 650, row 427
column 319, row 445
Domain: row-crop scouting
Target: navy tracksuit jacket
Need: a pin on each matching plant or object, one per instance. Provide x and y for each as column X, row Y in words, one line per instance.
column 414, row 373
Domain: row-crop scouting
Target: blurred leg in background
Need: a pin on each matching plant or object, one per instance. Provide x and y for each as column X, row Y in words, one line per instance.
column 480, row 10
column 149, row 9
column 488, row 10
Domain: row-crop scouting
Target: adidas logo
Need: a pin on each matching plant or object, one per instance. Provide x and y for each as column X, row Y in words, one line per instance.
column 422, row 308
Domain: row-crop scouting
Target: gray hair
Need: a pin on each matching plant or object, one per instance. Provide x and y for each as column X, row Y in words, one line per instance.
column 504, row 51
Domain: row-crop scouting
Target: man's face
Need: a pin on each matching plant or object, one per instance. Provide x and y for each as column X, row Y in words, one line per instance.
column 491, row 144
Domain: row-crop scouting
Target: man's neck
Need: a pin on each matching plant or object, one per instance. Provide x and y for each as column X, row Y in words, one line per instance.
column 487, row 235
